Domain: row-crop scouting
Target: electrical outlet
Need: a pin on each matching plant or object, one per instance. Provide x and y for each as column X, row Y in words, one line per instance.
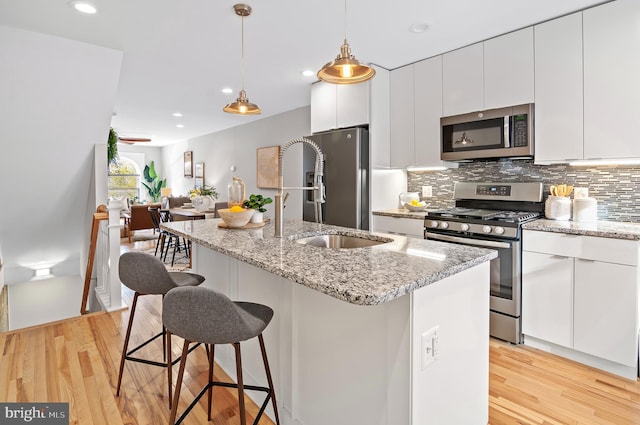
column 427, row 192
column 430, row 346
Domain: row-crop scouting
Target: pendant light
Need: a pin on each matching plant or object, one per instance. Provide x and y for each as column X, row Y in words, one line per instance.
column 242, row 106
column 346, row 69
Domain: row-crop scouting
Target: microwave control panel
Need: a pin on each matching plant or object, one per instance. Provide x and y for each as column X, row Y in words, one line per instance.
column 519, row 129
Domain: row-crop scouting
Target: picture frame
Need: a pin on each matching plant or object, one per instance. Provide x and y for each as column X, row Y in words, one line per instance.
column 267, row 171
column 188, row 164
column 199, row 175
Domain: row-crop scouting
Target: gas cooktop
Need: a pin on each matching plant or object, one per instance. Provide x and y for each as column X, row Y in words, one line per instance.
column 485, row 214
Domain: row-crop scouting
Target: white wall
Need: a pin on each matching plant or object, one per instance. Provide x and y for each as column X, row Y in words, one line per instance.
column 56, row 100
column 237, row 147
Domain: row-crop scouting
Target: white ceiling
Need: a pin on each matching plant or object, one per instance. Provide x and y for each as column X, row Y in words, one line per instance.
column 179, row 54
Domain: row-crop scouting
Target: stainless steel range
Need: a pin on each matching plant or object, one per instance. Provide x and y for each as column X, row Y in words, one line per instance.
column 490, row 215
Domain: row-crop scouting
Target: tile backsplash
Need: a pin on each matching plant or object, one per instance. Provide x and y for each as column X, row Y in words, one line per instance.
column 617, row 188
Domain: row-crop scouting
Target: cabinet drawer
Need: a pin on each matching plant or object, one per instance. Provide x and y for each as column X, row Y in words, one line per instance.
column 618, row 251
column 402, row 226
column 609, row 250
column 551, row 243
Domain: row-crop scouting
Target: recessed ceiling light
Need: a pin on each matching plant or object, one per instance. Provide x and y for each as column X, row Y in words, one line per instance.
column 180, row 125
column 418, row 27
column 177, row 114
column 227, row 90
column 84, row 7
column 308, row 73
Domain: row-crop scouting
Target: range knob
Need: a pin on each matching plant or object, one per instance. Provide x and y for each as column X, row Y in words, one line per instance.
column 486, row 229
column 464, row 227
column 444, row 225
column 499, row 230
column 433, row 224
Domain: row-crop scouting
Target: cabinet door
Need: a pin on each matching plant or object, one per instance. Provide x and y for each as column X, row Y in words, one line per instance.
column 428, row 110
column 606, row 311
column 547, row 297
column 508, row 69
column 462, row 80
column 323, row 106
column 379, row 132
column 558, row 89
column 611, row 83
column 352, row 105
column 401, row 111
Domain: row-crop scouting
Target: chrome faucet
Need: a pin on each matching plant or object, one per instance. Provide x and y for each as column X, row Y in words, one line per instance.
column 318, row 187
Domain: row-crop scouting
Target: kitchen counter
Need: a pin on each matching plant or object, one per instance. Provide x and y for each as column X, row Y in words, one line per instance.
column 401, row 213
column 364, row 276
column 372, row 316
column 603, row 229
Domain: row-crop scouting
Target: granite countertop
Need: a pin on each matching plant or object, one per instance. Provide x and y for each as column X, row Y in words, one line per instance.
column 365, row 276
column 401, row 213
column 603, row 229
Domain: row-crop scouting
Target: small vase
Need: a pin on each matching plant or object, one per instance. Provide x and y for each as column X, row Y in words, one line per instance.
column 201, row 203
column 257, row 217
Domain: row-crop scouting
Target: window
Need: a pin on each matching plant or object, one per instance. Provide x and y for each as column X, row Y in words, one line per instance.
column 124, row 179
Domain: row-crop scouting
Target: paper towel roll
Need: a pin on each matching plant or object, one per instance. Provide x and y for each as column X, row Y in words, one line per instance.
column 585, row 210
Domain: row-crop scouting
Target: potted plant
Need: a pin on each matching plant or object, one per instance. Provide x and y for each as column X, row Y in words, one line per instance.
column 257, row 202
column 112, row 146
column 155, row 183
column 203, row 198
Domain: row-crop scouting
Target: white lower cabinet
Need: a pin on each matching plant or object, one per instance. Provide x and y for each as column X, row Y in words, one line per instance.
column 581, row 293
column 547, row 297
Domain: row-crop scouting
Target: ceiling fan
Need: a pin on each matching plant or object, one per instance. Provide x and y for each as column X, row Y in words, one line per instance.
column 132, row 140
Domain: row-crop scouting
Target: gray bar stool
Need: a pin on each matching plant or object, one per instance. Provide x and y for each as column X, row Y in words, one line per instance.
column 209, row 317
column 146, row 275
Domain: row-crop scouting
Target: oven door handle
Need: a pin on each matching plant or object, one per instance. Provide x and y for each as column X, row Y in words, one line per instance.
column 467, row 241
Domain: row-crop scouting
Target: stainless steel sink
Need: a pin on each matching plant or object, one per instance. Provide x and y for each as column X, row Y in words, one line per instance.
column 341, row 241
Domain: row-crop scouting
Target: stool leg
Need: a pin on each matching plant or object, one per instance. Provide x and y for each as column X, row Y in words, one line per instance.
column 210, row 352
column 243, row 418
column 176, row 397
column 126, row 341
column 169, row 366
column 268, row 372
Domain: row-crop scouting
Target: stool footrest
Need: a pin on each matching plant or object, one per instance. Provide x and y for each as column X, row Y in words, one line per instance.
column 228, row 385
column 153, row 362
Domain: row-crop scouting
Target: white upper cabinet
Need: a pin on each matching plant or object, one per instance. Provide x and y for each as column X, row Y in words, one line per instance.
column 558, row 89
column 488, row 75
column 401, row 114
column 428, row 110
column 379, row 132
column 611, row 80
column 463, row 80
column 338, row 105
column 415, row 109
column 508, row 69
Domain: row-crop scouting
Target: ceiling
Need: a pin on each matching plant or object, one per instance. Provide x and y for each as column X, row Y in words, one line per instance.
column 179, row 54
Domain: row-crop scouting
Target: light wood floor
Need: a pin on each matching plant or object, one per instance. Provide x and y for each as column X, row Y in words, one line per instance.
column 76, row 361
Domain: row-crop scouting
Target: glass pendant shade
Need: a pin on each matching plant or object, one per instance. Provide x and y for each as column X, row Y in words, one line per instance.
column 346, row 69
column 242, row 106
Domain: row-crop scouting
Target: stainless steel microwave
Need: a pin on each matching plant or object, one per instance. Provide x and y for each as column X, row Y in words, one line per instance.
column 495, row 133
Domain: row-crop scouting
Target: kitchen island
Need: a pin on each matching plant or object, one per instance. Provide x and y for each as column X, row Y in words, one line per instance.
column 395, row 333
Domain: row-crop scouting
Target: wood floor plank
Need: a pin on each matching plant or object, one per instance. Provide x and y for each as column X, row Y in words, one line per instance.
column 77, row 360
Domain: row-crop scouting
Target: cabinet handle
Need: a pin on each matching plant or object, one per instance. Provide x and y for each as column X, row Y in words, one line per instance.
column 559, row 257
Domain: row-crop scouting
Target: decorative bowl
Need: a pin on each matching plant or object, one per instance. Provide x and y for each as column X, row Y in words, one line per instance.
column 236, row 219
column 416, row 208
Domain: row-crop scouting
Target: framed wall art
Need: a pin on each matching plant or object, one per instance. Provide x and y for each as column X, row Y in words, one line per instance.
column 199, row 175
column 267, row 167
column 188, row 164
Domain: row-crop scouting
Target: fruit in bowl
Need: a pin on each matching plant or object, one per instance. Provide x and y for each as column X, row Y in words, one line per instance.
column 236, row 216
column 415, row 205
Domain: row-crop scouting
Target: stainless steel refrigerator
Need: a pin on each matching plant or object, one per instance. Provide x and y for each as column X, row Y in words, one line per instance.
column 346, row 177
